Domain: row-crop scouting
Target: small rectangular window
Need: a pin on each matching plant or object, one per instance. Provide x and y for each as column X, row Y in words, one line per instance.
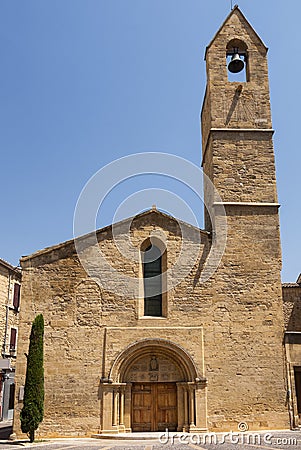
column 16, row 299
column 13, row 339
column 11, row 396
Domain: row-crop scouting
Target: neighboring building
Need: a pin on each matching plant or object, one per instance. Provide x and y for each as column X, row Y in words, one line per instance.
column 202, row 355
column 292, row 341
column 10, row 283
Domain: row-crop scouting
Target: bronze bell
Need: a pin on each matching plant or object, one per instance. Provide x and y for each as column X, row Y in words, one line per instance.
column 236, row 64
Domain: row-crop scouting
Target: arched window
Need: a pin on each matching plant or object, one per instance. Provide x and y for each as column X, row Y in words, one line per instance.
column 152, row 279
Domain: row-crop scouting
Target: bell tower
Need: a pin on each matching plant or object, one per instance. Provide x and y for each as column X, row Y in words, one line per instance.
column 238, row 158
column 237, row 130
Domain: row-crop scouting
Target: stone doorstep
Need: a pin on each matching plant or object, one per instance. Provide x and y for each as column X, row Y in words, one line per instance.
column 155, row 435
column 147, row 436
column 134, row 436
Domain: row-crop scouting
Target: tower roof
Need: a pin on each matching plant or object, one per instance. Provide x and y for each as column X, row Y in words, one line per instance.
column 236, row 11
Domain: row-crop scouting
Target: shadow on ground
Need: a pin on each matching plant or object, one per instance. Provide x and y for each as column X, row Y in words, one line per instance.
column 5, row 432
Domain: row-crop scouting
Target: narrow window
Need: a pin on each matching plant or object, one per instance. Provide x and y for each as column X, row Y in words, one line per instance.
column 11, row 396
column 152, row 278
column 16, row 299
column 13, row 339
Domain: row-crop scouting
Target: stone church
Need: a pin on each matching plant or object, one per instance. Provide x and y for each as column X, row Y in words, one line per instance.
column 200, row 355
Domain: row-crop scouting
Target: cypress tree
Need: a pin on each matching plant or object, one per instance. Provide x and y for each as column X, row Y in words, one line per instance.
column 33, row 407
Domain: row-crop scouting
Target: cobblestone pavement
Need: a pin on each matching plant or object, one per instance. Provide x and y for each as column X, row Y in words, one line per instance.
column 288, row 440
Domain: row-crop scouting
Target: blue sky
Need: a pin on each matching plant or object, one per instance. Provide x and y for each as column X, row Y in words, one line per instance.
column 85, row 82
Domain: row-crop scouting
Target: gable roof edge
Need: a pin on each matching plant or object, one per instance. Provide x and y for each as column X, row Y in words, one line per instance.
column 102, row 230
column 7, row 265
column 235, row 8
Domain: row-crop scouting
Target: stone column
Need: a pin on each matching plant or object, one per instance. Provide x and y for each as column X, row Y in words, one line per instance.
column 192, row 407
column 186, row 413
column 181, row 415
column 107, row 410
column 121, row 409
column 128, row 408
column 201, row 406
column 115, row 407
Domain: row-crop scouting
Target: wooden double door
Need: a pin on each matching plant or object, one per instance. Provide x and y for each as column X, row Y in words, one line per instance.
column 154, row 407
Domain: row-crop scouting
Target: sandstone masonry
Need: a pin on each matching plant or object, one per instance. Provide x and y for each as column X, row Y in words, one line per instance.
column 213, row 357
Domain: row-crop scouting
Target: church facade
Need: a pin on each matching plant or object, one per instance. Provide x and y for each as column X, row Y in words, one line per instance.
column 201, row 355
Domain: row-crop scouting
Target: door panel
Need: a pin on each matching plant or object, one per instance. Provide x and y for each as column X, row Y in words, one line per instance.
column 141, row 407
column 167, row 406
column 154, row 406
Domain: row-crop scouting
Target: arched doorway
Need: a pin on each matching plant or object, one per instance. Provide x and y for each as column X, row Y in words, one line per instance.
column 154, row 385
column 154, row 377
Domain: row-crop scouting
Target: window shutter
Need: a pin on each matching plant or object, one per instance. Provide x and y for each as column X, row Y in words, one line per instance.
column 13, row 338
column 16, row 300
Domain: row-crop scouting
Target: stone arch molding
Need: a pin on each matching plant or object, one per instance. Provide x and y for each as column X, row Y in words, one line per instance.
column 148, row 347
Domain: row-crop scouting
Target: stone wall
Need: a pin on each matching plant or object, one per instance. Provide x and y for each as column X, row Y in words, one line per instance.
column 77, row 312
column 292, row 306
column 238, row 309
